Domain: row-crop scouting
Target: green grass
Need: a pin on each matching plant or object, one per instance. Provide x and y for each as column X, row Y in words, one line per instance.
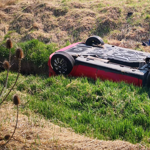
column 105, row 110
column 35, row 51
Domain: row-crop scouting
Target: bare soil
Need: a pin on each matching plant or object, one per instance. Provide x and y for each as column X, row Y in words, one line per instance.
column 34, row 132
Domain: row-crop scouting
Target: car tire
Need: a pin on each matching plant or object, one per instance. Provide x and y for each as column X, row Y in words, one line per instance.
column 94, row 40
column 62, row 62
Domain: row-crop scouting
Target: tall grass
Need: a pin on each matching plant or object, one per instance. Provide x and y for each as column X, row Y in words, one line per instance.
column 105, row 110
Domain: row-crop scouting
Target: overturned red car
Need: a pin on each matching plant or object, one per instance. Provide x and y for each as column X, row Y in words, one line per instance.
column 94, row 59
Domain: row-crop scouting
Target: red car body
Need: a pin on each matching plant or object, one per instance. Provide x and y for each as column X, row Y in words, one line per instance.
column 106, row 62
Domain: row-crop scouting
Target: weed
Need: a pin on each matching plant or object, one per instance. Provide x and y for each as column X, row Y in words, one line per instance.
column 16, row 99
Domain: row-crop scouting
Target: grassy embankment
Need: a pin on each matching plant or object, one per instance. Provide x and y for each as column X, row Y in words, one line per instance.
column 105, row 110
column 99, row 109
column 125, row 22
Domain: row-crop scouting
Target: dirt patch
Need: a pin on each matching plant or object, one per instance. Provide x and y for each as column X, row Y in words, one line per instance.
column 35, row 132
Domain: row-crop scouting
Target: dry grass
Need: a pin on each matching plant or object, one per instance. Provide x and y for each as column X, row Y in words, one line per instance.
column 7, row 2
column 75, row 19
column 11, row 2
column 34, row 132
column 114, row 42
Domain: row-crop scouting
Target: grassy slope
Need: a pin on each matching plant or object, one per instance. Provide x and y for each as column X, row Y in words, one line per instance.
column 105, row 110
column 68, row 20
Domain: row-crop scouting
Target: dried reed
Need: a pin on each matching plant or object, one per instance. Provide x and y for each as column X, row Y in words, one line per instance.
column 16, row 101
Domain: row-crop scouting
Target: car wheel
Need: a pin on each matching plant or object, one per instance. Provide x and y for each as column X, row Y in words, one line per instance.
column 62, row 63
column 94, row 40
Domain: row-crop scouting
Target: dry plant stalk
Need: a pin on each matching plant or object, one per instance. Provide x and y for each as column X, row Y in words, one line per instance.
column 16, row 101
column 19, row 56
column 6, row 64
